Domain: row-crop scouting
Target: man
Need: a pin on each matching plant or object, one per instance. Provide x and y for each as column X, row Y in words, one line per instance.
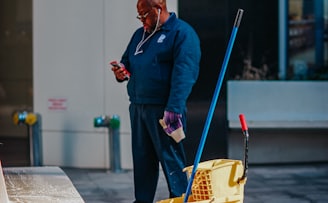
column 161, row 64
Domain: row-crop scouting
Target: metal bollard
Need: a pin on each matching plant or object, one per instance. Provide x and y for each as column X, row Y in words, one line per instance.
column 113, row 125
column 33, row 123
column 114, row 142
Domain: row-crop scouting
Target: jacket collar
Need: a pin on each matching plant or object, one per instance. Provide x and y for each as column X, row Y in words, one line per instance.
column 169, row 22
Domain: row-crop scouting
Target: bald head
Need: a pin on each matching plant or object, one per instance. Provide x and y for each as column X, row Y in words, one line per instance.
column 154, row 3
column 161, row 3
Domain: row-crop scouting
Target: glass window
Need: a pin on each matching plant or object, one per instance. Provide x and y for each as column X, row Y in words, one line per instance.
column 307, row 40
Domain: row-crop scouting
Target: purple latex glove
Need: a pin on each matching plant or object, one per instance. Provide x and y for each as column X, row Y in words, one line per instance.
column 172, row 121
column 172, row 125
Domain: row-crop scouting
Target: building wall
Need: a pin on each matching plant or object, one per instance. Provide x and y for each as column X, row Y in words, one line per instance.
column 287, row 120
column 73, row 41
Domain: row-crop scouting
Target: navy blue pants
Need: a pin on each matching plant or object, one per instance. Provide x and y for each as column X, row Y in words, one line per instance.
column 151, row 146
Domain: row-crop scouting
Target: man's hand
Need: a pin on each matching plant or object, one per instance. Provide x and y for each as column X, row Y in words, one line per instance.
column 172, row 125
column 119, row 70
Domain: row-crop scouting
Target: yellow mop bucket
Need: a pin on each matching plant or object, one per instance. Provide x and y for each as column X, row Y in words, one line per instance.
column 216, row 181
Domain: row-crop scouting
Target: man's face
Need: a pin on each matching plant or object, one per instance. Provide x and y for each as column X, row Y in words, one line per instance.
column 147, row 15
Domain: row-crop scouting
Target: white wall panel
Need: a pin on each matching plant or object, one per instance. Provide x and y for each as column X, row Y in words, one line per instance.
column 68, row 59
column 278, row 104
column 86, row 150
column 73, row 41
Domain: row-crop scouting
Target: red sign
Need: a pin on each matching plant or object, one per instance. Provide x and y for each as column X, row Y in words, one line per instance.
column 57, row 104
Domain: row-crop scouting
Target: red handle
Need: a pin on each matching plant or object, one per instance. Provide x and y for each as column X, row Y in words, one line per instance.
column 243, row 122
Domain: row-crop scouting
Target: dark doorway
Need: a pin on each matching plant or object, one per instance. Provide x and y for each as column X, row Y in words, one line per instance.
column 256, row 42
column 15, row 78
column 209, row 19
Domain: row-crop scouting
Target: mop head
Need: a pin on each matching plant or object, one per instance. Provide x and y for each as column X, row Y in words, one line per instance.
column 172, row 125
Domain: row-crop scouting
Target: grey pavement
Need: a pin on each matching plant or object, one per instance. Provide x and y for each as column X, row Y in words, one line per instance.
column 297, row 183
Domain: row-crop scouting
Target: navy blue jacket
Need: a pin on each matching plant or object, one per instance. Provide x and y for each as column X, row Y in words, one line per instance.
column 166, row 70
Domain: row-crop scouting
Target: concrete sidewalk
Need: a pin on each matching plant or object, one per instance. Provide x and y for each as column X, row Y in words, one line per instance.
column 266, row 184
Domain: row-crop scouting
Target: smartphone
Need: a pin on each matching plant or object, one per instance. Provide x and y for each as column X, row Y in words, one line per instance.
column 118, row 66
column 115, row 64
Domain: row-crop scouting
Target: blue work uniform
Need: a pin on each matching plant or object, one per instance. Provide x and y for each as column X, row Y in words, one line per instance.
column 163, row 72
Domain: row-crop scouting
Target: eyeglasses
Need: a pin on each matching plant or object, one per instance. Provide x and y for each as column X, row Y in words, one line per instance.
column 144, row 16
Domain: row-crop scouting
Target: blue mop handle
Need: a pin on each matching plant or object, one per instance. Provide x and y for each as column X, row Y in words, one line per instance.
column 214, row 101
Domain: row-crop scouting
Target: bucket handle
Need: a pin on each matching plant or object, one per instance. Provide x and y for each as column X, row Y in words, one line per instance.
column 246, row 138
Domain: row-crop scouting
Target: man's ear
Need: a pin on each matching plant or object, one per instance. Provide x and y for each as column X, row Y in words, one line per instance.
column 159, row 8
